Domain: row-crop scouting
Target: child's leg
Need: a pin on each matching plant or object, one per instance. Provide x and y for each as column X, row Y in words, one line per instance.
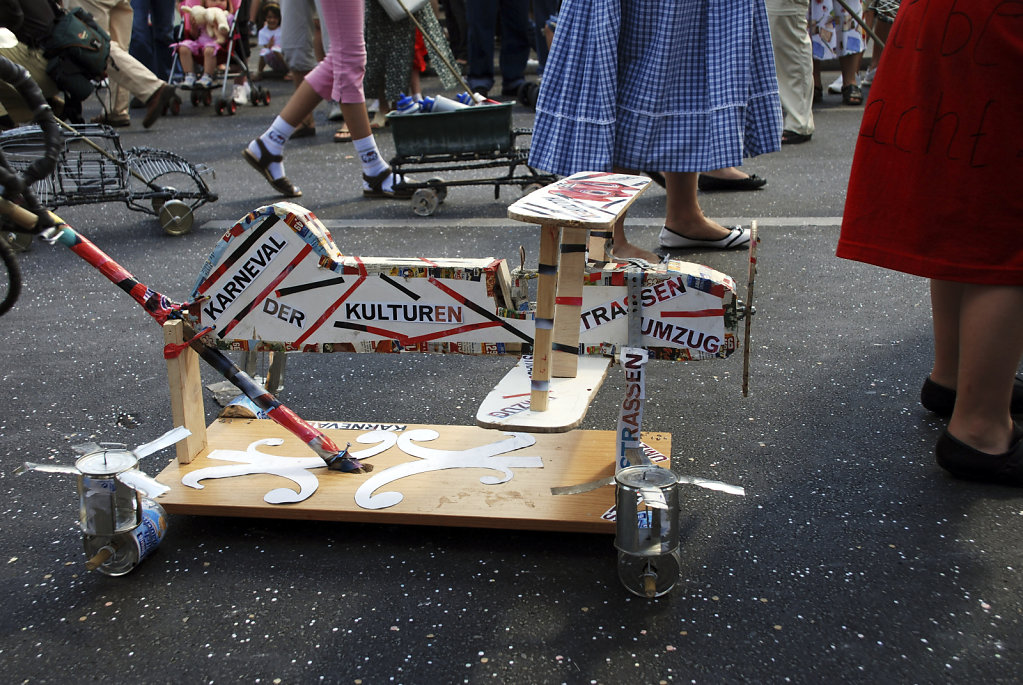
column 209, row 59
column 187, row 62
column 187, row 65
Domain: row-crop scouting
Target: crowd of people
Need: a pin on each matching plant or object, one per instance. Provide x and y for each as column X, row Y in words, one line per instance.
column 685, row 91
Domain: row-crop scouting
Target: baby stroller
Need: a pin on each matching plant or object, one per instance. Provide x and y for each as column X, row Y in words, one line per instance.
column 230, row 64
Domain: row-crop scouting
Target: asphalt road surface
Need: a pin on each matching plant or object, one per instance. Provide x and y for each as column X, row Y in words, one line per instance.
column 852, row 557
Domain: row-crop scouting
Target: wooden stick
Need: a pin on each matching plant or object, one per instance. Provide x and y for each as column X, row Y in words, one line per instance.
column 186, row 393
column 754, row 239
column 568, row 302
column 546, row 292
column 457, row 73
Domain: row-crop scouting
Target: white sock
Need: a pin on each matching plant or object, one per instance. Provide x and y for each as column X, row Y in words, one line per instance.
column 274, row 139
column 369, row 155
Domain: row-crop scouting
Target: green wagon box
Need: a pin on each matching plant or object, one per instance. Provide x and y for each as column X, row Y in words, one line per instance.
column 479, row 129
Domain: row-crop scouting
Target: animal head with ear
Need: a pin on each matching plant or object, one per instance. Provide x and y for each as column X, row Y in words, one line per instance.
column 214, row 20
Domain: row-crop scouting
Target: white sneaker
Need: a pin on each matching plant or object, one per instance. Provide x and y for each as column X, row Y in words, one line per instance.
column 189, row 81
column 335, row 112
column 867, row 77
column 241, row 93
column 836, row 86
column 204, row 81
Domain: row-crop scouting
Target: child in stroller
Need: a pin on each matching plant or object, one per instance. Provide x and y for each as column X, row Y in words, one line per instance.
column 206, row 30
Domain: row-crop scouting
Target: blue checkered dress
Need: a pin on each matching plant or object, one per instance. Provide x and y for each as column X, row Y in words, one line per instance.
column 657, row 85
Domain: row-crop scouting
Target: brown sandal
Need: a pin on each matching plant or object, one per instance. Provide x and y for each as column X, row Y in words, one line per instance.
column 261, row 164
column 343, row 135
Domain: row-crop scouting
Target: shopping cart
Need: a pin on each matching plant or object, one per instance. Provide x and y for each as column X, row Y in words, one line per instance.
column 93, row 168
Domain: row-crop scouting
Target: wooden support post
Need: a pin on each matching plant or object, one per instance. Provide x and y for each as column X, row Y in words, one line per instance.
column 587, row 201
column 186, row 393
column 546, row 291
column 599, row 242
column 569, row 302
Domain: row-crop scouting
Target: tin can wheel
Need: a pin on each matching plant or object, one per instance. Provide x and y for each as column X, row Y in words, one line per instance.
column 176, row 217
column 425, row 201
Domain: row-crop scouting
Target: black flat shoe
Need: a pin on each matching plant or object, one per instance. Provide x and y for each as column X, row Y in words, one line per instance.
column 941, row 400
column 963, row 461
column 793, row 138
column 751, row 182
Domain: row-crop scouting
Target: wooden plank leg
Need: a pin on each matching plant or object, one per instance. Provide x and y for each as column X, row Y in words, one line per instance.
column 569, row 302
column 186, row 393
column 599, row 243
column 546, row 291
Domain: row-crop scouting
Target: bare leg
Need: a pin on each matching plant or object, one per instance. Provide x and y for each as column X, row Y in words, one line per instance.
column 620, row 245
column 623, row 249
column 187, row 61
column 990, row 349
column 301, row 104
column 209, row 60
column 946, row 301
column 683, row 214
column 357, row 119
column 298, row 78
column 849, row 64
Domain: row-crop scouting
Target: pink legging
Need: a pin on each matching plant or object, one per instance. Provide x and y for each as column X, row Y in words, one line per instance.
column 339, row 76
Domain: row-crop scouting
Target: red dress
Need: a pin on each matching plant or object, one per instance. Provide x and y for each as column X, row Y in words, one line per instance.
column 936, row 187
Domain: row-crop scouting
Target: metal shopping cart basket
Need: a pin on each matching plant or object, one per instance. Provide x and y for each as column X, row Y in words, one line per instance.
column 94, row 168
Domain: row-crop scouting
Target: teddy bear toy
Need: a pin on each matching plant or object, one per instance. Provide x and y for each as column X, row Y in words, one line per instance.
column 214, row 19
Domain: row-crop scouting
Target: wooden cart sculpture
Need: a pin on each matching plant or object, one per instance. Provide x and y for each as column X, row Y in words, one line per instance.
column 276, row 280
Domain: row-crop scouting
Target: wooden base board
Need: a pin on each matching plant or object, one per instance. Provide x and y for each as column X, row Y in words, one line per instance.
column 452, row 497
column 506, row 407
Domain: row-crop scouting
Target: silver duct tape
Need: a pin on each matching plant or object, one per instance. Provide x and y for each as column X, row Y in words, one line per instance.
column 46, row 468
column 583, row 487
column 610, row 480
column 637, row 457
column 713, row 485
column 654, row 498
column 166, row 440
column 147, row 485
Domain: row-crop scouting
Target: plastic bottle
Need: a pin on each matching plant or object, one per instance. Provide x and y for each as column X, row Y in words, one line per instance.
column 426, row 104
column 115, row 555
column 443, row 104
column 407, row 104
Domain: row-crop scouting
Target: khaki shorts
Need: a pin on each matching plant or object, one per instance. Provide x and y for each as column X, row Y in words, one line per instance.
column 33, row 60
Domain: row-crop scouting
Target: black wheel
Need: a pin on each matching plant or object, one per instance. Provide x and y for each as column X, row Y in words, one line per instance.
column 10, row 277
column 195, row 98
column 437, row 183
column 232, row 107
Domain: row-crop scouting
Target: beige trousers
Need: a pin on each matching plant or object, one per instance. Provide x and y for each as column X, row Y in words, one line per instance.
column 793, row 62
column 127, row 75
column 32, row 59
